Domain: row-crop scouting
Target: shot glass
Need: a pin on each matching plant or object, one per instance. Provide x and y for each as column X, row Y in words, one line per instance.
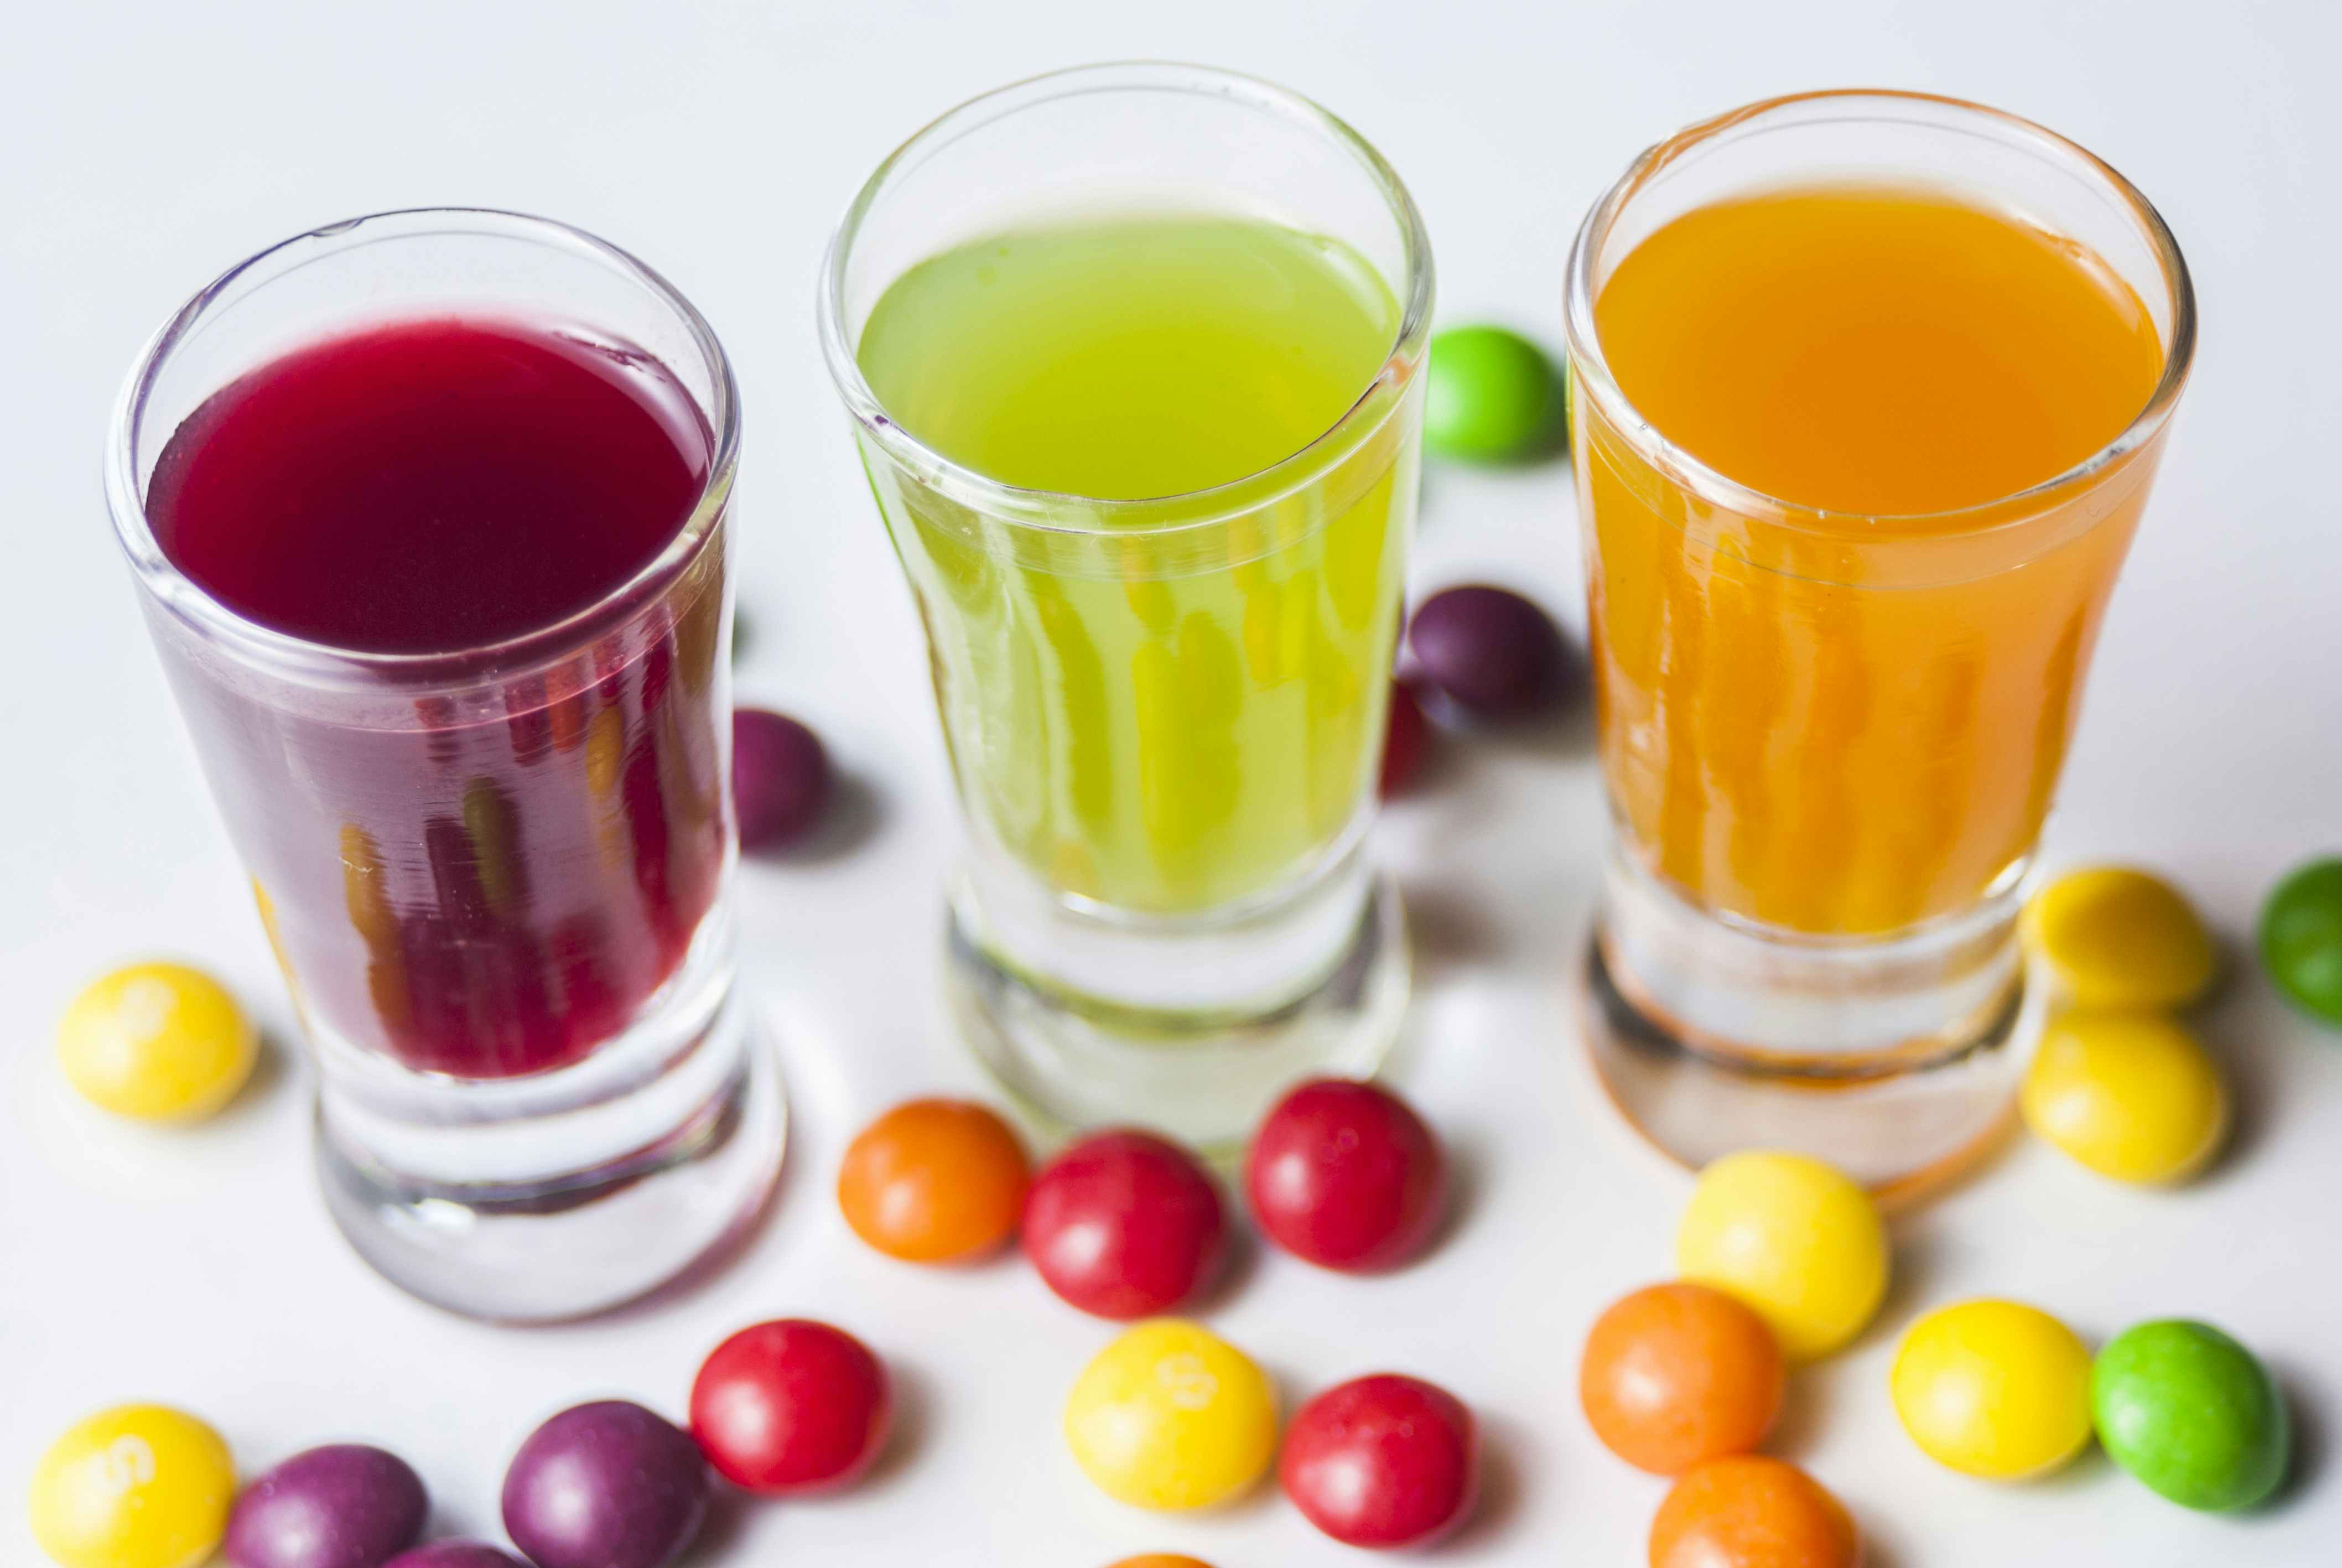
column 1830, row 740
column 1165, row 715
column 497, row 879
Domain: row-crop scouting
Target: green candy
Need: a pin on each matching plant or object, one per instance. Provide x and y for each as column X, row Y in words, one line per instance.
column 2192, row 1413
column 2301, row 939
column 1493, row 398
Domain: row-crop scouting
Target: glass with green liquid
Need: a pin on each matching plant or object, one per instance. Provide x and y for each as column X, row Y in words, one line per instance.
column 1132, row 354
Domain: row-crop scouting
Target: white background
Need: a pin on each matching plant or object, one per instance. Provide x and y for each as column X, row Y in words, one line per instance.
column 143, row 150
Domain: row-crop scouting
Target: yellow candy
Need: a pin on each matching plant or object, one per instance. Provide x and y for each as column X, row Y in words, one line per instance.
column 1171, row 1416
column 137, row 1486
column 1994, row 1388
column 2131, row 1096
column 158, row 1042
column 2112, row 937
column 1798, row 1242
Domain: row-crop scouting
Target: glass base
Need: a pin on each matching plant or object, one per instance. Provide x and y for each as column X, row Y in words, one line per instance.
column 567, row 1239
column 1895, row 1059
column 1204, row 1075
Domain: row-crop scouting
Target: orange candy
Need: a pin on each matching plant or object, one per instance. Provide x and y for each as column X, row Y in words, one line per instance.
column 1676, row 1374
column 1159, row 1560
column 1749, row 1511
column 933, row 1182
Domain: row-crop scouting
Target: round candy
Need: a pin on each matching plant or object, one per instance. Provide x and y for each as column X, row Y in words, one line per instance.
column 604, row 1485
column 1749, row 1511
column 933, row 1182
column 344, row 1506
column 2192, row 1413
column 1345, row 1175
column 1159, row 1560
column 136, row 1486
column 1382, row 1461
column 1792, row 1238
column 1124, row 1224
column 791, row 1408
column 1404, row 743
column 157, row 1042
column 2131, row 1096
column 2301, row 939
column 2114, row 937
column 780, row 778
column 1170, row 1416
column 1676, row 1374
column 456, row 1555
column 1994, row 1388
column 1493, row 653
column 1493, row 396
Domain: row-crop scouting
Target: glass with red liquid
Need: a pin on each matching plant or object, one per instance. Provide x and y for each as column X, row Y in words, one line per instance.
column 428, row 514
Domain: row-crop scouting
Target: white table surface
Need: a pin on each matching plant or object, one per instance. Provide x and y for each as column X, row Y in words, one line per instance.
column 142, row 149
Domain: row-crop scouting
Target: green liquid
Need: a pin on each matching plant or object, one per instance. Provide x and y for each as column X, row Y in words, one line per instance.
column 1159, row 720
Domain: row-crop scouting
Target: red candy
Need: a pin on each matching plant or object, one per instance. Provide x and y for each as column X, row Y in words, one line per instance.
column 1406, row 741
column 1124, row 1225
column 791, row 1407
column 1382, row 1461
column 1345, row 1175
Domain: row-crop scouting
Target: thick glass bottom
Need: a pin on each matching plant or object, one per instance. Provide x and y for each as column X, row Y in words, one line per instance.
column 1269, row 1000
column 570, row 1192
column 1895, row 1059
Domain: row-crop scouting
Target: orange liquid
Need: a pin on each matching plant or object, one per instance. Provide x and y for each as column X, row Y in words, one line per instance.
column 1846, row 713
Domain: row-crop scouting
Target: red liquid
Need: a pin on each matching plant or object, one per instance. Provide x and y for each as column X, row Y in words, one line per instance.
column 488, row 884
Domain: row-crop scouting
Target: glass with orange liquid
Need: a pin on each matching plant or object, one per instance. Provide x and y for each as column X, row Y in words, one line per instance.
column 1868, row 390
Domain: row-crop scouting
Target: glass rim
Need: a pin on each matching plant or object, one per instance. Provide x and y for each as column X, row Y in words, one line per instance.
column 1591, row 371
column 1045, row 511
column 327, row 664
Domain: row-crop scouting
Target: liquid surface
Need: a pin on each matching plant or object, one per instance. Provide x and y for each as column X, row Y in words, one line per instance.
column 494, row 885
column 1162, row 722
column 1787, row 742
column 1876, row 351
column 429, row 486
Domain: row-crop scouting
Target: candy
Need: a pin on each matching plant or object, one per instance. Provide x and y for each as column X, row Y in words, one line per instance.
column 933, row 1182
column 1404, row 743
column 1345, row 1175
column 136, row 1486
column 791, row 1408
column 456, row 1555
column 344, row 1506
column 780, row 778
column 1491, row 652
column 2131, row 1096
column 1792, row 1238
column 1676, row 1374
column 604, row 1485
column 1493, row 396
column 2301, row 939
column 1170, row 1416
column 2192, row 1413
column 1124, row 1224
column 2114, row 937
column 157, row 1042
column 1382, row 1461
column 1749, row 1511
column 1159, row 1560
column 1994, row 1388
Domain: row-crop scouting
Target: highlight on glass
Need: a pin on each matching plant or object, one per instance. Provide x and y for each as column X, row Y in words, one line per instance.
column 426, row 511
column 1869, row 392
column 1132, row 354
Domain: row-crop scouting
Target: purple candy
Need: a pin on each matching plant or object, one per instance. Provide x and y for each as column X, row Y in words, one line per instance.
column 780, row 777
column 344, row 1506
column 456, row 1555
column 604, row 1485
column 1493, row 653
